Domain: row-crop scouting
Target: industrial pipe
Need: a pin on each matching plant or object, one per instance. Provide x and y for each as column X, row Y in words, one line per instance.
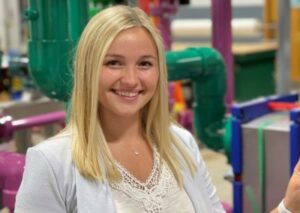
column 54, row 31
column 206, row 70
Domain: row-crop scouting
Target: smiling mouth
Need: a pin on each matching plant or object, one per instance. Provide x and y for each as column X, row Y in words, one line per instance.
column 128, row 94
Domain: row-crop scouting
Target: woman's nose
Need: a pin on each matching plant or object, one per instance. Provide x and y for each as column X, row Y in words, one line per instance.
column 130, row 76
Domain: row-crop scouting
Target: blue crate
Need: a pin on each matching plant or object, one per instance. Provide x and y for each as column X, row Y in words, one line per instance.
column 246, row 112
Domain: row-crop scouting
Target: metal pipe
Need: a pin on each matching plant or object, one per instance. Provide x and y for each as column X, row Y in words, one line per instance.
column 38, row 120
column 222, row 41
column 283, row 57
column 205, row 68
column 78, row 17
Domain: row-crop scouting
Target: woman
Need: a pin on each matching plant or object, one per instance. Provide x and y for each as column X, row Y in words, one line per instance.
column 120, row 151
column 291, row 201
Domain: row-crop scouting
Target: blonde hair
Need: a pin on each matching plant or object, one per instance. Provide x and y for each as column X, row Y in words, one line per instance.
column 90, row 151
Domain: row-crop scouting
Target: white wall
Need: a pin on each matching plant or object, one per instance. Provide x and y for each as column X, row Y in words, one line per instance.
column 2, row 25
column 233, row 2
column 10, row 26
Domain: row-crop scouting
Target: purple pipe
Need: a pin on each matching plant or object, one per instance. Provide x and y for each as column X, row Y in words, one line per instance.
column 11, row 173
column 222, row 41
column 164, row 11
column 8, row 126
column 12, row 164
column 39, row 120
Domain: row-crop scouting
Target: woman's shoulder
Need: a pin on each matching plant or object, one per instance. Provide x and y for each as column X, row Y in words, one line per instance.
column 48, row 176
column 58, row 143
column 55, row 150
column 185, row 137
column 179, row 130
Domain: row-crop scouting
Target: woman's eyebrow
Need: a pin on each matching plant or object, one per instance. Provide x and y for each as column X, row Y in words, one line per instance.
column 149, row 56
column 114, row 56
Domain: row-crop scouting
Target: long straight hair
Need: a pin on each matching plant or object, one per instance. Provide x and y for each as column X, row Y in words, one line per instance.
column 90, row 151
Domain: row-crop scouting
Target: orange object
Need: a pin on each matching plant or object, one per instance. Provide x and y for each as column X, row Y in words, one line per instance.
column 295, row 44
column 178, row 94
column 144, row 5
column 280, row 106
column 270, row 19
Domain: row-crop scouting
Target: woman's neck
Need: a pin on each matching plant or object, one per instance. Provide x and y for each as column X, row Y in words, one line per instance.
column 118, row 129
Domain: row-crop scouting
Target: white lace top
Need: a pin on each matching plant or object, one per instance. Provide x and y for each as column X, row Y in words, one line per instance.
column 160, row 193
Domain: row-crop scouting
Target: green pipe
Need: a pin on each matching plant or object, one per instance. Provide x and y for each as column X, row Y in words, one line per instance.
column 49, row 20
column 95, row 6
column 51, row 43
column 206, row 70
column 55, row 20
column 33, row 15
column 78, row 17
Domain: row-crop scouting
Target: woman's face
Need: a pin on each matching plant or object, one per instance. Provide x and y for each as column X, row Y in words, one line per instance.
column 129, row 74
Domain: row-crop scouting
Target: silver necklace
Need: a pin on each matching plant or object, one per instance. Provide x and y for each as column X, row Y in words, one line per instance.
column 136, row 152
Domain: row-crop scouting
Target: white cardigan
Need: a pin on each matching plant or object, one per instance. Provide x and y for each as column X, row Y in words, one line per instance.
column 51, row 183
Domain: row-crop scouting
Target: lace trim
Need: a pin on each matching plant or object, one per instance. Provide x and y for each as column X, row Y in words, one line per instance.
column 150, row 193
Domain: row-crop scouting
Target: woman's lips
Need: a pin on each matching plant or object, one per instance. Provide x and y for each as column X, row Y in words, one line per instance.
column 127, row 95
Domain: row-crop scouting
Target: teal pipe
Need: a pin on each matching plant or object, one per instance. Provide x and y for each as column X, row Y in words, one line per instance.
column 206, row 69
column 51, row 20
column 78, row 17
column 55, row 27
column 95, row 6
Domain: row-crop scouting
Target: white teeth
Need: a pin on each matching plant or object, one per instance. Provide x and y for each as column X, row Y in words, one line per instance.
column 127, row 94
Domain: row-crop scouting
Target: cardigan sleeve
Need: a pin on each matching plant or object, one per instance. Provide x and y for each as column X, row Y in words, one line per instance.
column 202, row 179
column 203, row 172
column 39, row 191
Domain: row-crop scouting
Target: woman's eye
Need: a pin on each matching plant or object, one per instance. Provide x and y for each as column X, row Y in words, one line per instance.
column 113, row 63
column 145, row 64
